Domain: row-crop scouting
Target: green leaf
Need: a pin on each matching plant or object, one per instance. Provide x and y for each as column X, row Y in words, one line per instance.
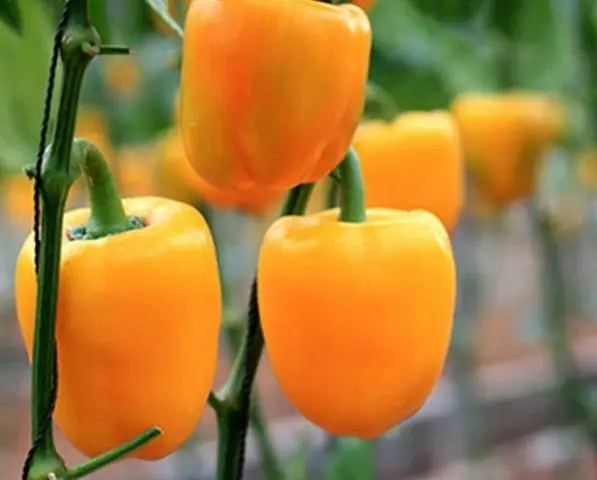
column 547, row 47
column 161, row 8
column 296, row 467
column 352, row 459
column 26, row 57
column 463, row 58
column 10, row 14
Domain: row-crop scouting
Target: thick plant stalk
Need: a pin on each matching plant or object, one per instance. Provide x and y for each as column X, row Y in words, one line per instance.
column 270, row 462
column 233, row 403
column 468, row 420
column 78, row 43
column 574, row 392
column 233, row 332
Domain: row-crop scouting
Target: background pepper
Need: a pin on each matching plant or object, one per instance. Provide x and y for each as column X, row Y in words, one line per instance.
column 280, row 107
column 505, row 136
column 415, row 162
column 357, row 316
column 137, row 327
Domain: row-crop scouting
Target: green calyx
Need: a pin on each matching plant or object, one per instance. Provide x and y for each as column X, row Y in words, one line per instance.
column 48, row 466
column 107, row 212
column 82, row 232
column 352, row 191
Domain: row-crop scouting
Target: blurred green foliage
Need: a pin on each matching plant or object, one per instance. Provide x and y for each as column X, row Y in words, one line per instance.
column 24, row 59
column 10, row 14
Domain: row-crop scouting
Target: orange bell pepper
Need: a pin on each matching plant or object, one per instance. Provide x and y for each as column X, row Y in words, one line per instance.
column 177, row 177
column 357, row 317
column 505, row 136
column 415, row 162
column 136, row 329
column 271, row 91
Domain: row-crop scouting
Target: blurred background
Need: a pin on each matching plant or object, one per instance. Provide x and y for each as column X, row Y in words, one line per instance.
column 516, row 400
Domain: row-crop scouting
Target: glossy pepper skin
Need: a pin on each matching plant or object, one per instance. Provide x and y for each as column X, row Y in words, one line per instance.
column 414, row 162
column 505, row 136
column 271, row 91
column 357, row 317
column 176, row 174
column 137, row 328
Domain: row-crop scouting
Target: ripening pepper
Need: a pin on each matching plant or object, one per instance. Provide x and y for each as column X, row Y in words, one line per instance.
column 92, row 125
column 505, row 137
column 414, row 162
column 134, row 169
column 586, row 169
column 122, row 75
column 177, row 177
column 137, row 327
column 357, row 317
column 271, row 91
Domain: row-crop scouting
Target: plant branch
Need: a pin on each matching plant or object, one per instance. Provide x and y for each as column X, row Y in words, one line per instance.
column 352, row 190
column 236, row 393
column 574, row 392
column 75, row 40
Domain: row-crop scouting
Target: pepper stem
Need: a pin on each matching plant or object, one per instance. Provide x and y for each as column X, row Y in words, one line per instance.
column 112, row 456
column 352, row 189
column 236, row 393
column 107, row 213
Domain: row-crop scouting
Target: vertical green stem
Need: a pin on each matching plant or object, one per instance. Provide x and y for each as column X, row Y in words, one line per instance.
column 269, row 459
column 352, row 189
column 107, row 212
column 574, row 393
column 45, row 457
column 79, row 44
column 236, row 393
column 56, row 178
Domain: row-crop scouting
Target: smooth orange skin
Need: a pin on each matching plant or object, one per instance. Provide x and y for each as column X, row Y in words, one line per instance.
column 265, row 99
column 415, row 162
column 255, row 200
column 504, row 136
column 137, row 328
column 357, row 318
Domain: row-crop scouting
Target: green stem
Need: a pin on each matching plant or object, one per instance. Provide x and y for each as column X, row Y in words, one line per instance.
column 107, row 212
column 574, row 392
column 352, row 189
column 332, row 194
column 270, row 462
column 45, row 458
column 56, row 180
column 272, row 468
column 232, row 426
column 114, row 50
column 112, row 456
